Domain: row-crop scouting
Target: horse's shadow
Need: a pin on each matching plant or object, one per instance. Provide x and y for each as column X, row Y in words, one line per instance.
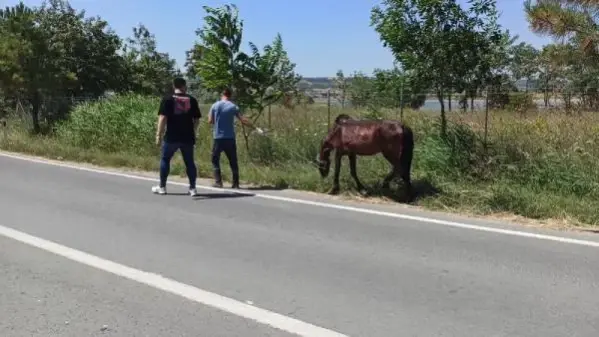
column 421, row 188
column 275, row 187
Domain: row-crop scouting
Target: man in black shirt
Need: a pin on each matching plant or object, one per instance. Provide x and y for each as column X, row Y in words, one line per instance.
column 180, row 114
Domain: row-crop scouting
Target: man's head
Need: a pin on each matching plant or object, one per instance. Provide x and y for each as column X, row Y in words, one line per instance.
column 226, row 94
column 180, row 84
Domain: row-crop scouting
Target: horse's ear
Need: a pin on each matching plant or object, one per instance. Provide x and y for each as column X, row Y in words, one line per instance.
column 317, row 157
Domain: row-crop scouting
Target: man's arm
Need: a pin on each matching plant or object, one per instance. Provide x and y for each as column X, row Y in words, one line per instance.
column 244, row 120
column 197, row 114
column 211, row 114
column 161, row 124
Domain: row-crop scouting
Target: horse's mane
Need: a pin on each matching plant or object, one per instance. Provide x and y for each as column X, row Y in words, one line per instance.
column 342, row 118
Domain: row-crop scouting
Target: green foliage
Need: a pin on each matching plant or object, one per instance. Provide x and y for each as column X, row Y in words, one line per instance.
column 54, row 53
column 258, row 79
column 114, row 124
column 394, row 88
column 533, row 166
column 149, row 71
column 361, row 91
column 524, row 61
column 442, row 45
column 217, row 58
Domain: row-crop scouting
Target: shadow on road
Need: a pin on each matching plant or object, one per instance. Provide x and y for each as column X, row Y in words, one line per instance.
column 421, row 188
column 267, row 188
column 215, row 195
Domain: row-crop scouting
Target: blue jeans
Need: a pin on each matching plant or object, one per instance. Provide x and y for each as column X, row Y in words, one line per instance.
column 229, row 147
column 168, row 151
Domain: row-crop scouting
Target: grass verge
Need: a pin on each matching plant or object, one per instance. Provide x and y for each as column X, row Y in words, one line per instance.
column 535, row 166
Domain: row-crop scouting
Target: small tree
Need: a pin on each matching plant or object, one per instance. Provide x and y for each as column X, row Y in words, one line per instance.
column 524, row 62
column 258, row 79
column 341, row 85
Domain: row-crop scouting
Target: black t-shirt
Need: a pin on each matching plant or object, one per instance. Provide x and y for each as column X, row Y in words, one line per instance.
column 180, row 110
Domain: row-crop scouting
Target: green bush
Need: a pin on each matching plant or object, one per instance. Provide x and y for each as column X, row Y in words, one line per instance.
column 121, row 123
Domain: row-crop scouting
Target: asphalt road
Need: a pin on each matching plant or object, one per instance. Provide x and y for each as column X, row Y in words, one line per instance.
column 354, row 273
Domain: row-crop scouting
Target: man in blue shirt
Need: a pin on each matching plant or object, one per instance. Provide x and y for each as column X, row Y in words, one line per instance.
column 222, row 117
column 179, row 114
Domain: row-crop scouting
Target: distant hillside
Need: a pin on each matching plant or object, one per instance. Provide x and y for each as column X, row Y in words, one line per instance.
column 325, row 83
column 319, row 82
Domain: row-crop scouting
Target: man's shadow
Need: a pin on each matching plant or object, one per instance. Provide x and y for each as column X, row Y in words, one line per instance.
column 216, row 195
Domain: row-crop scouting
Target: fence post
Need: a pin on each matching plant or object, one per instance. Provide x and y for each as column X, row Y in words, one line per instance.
column 486, row 119
column 328, row 109
column 401, row 104
column 269, row 116
column 4, row 126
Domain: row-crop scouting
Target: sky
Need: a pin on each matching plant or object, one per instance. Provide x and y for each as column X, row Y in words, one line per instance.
column 321, row 36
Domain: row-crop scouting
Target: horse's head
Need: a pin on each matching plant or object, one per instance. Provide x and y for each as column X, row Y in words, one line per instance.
column 324, row 161
column 342, row 118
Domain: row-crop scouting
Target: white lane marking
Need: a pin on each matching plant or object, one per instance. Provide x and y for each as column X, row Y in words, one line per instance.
column 561, row 239
column 226, row 304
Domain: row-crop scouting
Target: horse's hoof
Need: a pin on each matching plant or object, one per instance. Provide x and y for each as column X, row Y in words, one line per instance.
column 363, row 192
column 334, row 191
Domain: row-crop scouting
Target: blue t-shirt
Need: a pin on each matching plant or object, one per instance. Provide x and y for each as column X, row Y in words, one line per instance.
column 223, row 114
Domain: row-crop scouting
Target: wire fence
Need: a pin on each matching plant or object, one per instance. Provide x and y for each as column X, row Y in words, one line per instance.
column 294, row 132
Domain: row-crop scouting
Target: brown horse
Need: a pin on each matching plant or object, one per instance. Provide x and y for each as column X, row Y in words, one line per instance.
column 366, row 138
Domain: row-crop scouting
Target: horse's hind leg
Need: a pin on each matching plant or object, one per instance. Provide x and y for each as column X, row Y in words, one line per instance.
column 394, row 171
column 405, row 176
column 388, row 178
column 354, row 173
column 336, row 188
column 405, row 165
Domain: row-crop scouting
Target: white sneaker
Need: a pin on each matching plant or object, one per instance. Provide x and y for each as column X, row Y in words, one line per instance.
column 193, row 192
column 159, row 190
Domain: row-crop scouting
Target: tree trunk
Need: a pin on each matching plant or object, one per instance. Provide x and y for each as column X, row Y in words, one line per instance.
column 36, row 103
column 443, row 117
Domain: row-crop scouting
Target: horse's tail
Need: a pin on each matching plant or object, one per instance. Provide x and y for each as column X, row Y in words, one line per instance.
column 407, row 152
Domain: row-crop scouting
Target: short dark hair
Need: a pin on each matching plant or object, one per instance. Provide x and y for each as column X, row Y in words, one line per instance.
column 226, row 92
column 179, row 83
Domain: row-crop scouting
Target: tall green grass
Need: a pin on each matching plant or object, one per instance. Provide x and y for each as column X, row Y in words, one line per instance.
column 538, row 166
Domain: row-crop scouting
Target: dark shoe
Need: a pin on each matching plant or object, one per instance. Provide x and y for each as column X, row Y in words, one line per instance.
column 235, row 180
column 218, row 181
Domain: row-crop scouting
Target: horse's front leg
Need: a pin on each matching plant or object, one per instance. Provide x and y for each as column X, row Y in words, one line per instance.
column 354, row 173
column 335, row 189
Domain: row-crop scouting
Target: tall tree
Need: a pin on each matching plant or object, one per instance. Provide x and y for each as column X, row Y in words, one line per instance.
column 361, row 90
column 149, row 71
column 394, row 88
column 269, row 75
column 573, row 21
column 258, row 79
column 217, row 58
column 524, row 62
column 423, row 36
column 59, row 54
column 340, row 85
